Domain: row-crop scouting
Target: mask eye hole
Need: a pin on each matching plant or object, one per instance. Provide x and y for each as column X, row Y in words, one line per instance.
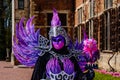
column 54, row 39
column 59, row 39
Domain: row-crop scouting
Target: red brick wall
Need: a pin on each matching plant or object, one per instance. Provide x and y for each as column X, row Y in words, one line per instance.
column 99, row 8
column 78, row 3
column 50, row 4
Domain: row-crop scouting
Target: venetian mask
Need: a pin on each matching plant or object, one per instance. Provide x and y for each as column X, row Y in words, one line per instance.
column 58, row 42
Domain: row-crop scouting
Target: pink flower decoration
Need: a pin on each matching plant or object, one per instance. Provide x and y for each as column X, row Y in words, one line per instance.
column 90, row 46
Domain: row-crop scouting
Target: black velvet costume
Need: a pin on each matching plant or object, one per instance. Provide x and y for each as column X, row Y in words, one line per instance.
column 40, row 69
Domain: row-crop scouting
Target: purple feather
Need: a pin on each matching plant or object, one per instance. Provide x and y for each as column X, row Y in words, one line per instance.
column 53, row 66
column 37, row 34
column 85, row 35
column 76, row 45
column 21, row 28
column 24, row 57
column 68, row 66
column 55, row 19
column 28, row 25
column 25, row 42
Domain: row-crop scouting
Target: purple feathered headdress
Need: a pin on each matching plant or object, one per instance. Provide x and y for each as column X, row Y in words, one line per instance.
column 55, row 19
column 56, row 28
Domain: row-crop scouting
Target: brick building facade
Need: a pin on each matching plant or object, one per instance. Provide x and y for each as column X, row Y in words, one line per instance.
column 101, row 20
column 42, row 10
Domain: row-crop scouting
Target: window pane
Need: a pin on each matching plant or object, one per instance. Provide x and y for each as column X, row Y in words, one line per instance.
column 105, row 4
column 110, row 3
column 49, row 18
column 92, row 4
column 63, row 19
column 20, row 4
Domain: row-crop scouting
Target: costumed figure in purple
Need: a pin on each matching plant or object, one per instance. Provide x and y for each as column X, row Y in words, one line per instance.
column 56, row 58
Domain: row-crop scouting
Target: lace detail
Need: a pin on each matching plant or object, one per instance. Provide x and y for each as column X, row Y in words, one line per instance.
column 72, row 52
column 43, row 45
column 61, row 76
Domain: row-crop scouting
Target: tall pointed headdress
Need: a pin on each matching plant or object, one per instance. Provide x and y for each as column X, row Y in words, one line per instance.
column 56, row 28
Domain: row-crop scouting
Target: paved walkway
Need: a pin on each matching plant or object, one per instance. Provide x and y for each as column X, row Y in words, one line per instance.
column 9, row 72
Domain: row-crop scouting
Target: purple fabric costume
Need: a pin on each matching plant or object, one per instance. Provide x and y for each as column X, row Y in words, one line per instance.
column 56, row 58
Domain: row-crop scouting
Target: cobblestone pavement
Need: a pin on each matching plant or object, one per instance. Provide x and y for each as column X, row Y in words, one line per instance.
column 9, row 72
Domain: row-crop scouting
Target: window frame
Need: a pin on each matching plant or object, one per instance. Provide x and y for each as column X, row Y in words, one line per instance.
column 108, row 4
column 107, row 31
column 80, row 15
column 91, row 8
